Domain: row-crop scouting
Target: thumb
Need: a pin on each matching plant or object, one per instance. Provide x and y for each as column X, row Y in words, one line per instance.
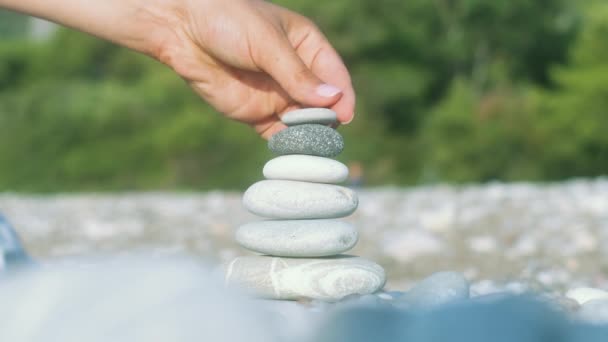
column 284, row 65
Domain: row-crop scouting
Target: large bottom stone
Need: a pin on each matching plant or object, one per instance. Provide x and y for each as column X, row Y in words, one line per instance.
column 328, row 279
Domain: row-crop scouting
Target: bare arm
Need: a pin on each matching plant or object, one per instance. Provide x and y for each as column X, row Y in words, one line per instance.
column 250, row 59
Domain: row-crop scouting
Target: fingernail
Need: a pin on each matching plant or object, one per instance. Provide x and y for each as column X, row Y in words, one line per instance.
column 349, row 120
column 327, row 90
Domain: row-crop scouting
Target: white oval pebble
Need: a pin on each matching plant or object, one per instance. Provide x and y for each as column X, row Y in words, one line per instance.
column 583, row 295
column 298, row 238
column 281, row 199
column 328, row 279
column 322, row 116
column 306, row 168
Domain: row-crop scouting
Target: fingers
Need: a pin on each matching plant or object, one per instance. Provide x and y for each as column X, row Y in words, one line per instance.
column 279, row 59
column 317, row 53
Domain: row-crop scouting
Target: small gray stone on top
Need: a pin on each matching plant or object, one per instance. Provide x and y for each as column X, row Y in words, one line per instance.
column 327, row 279
column 300, row 167
column 321, row 116
column 311, row 139
column 298, row 238
column 292, row 200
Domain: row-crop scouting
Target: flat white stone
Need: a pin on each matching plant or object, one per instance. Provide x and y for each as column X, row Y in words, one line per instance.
column 583, row 295
column 328, row 279
column 322, row 116
column 298, row 238
column 300, row 167
column 292, row 200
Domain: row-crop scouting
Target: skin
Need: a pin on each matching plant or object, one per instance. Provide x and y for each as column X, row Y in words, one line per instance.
column 250, row 59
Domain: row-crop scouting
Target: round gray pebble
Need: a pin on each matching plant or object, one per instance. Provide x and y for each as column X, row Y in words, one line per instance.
column 321, row 116
column 310, row 139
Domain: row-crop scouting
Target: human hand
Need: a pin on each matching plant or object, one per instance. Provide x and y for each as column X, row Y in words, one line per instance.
column 253, row 60
column 250, row 59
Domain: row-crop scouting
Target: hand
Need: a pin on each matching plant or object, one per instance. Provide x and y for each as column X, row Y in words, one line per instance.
column 253, row 61
column 250, row 59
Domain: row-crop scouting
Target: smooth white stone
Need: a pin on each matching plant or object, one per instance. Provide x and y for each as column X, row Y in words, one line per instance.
column 328, row 279
column 594, row 311
column 322, row 116
column 298, row 238
column 306, row 168
column 583, row 295
column 281, row 199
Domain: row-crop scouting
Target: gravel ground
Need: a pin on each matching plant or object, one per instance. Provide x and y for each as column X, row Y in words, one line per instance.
column 521, row 236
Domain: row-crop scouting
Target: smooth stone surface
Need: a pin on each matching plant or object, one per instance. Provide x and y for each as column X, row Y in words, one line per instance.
column 321, row 116
column 305, row 168
column 311, row 139
column 583, row 295
column 280, row 199
column 299, row 238
column 12, row 252
column 595, row 311
column 438, row 289
column 329, row 279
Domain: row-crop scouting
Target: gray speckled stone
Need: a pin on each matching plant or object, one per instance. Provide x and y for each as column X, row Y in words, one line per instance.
column 298, row 238
column 305, row 168
column 311, row 139
column 328, row 279
column 292, row 200
column 438, row 289
column 321, row 116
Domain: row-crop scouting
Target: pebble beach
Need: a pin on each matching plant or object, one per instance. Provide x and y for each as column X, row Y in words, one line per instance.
column 519, row 238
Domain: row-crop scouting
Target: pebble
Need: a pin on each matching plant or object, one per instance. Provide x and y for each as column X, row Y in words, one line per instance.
column 306, row 168
column 280, row 199
column 594, row 311
column 321, row 116
column 298, row 238
column 311, row 139
column 12, row 252
column 328, row 279
column 583, row 295
column 438, row 289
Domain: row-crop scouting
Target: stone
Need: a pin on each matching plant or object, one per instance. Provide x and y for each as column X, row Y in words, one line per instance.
column 594, row 311
column 311, row 139
column 298, row 238
column 321, row 116
column 305, row 168
column 327, row 279
column 583, row 295
column 280, row 199
column 364, row 324
column 12, row 253
column 516, row 319
column 437, row 290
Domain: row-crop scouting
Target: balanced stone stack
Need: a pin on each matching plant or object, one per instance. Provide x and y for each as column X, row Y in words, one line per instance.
column 302, row 243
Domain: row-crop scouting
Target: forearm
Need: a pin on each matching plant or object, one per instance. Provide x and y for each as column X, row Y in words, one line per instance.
column 136, row 24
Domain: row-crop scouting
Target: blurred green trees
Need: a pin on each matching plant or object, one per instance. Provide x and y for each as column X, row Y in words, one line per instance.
column 467, row 90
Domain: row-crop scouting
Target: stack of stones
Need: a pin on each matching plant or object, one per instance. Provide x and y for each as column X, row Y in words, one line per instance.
column 302, row 243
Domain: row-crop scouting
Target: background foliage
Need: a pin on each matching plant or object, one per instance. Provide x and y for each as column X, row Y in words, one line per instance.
column 448, row 91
